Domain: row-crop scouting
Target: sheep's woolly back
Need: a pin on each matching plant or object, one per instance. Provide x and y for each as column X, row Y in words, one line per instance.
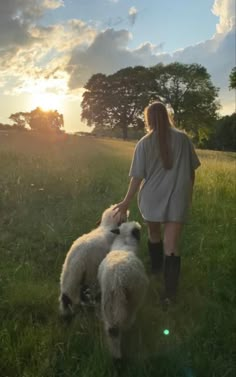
column 123, row 283
column 86, row 253
column 121, row 269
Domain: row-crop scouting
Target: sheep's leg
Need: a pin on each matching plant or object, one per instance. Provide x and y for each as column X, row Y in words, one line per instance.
column 70, row 293
column 65, row 305
column 68, row 302
column 114, row 341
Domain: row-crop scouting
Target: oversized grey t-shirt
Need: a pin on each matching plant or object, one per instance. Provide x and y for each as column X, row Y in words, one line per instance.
column 164, row 195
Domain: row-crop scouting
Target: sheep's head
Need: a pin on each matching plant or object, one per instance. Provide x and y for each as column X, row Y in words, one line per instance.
column 109, row 219
column 129, row 231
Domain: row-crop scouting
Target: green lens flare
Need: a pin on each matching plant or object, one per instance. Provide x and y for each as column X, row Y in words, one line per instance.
column 166, row 332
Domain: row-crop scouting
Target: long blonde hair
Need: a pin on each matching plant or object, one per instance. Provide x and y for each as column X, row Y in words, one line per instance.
column 157, row 118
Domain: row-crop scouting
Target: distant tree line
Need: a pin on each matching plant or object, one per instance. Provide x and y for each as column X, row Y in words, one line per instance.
column 223, row 136
column 232, row 79
column 35, row 120
column 116, row 102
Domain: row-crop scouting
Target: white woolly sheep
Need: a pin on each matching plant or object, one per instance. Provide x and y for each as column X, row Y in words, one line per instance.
column 82, row 261
column 123, row 283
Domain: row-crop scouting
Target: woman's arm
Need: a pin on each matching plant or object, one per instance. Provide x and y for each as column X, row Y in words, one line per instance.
column 132, row 190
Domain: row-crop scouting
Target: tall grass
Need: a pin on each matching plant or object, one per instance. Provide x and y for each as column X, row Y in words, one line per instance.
column 51, row 191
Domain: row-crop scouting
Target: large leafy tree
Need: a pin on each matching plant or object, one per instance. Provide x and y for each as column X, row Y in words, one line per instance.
column 232, row 79
column 118, row 100
column 45, row 120
column 38, row 120
column 20, row 120
column 193, row 97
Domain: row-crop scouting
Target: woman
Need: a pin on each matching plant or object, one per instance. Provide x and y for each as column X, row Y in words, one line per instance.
column 163, row 170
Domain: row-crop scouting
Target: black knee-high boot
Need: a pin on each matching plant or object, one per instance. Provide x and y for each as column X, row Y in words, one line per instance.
column 171, row 275
column 156, row 255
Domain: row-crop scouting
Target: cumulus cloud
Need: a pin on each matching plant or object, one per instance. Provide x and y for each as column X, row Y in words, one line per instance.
column 225, row 10
column 14, row 25
column 30, row 51
column 148, row 51
column 133, row 15
column 53, row 4
column 74, row 51
column 106, row 54
column 217, row 55
column 17, row 18
column 109, row 52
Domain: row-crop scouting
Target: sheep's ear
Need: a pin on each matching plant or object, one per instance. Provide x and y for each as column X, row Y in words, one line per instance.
column 115, row 231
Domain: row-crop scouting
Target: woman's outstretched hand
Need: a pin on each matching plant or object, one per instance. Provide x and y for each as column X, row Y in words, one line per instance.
column 121, row 208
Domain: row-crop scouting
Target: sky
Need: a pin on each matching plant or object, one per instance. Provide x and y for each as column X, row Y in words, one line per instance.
column 50, row 48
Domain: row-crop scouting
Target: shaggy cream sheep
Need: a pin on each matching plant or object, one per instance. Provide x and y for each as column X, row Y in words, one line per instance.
column 82, row 260
column 123, row 283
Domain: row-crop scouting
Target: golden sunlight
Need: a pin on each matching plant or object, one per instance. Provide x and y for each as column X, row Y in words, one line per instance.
column 47, row 101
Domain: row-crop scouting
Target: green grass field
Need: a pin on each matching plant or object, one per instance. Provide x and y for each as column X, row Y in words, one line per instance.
column 52, row 191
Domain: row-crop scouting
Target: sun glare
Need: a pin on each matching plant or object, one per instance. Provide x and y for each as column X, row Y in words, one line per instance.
column 47, row 101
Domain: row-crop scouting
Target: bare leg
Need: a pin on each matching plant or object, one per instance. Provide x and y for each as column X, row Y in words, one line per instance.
column 155, row 246
column 154, row 231
column 172, row 233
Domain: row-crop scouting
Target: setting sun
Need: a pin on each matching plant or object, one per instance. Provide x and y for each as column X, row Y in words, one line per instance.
column 47, row 101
